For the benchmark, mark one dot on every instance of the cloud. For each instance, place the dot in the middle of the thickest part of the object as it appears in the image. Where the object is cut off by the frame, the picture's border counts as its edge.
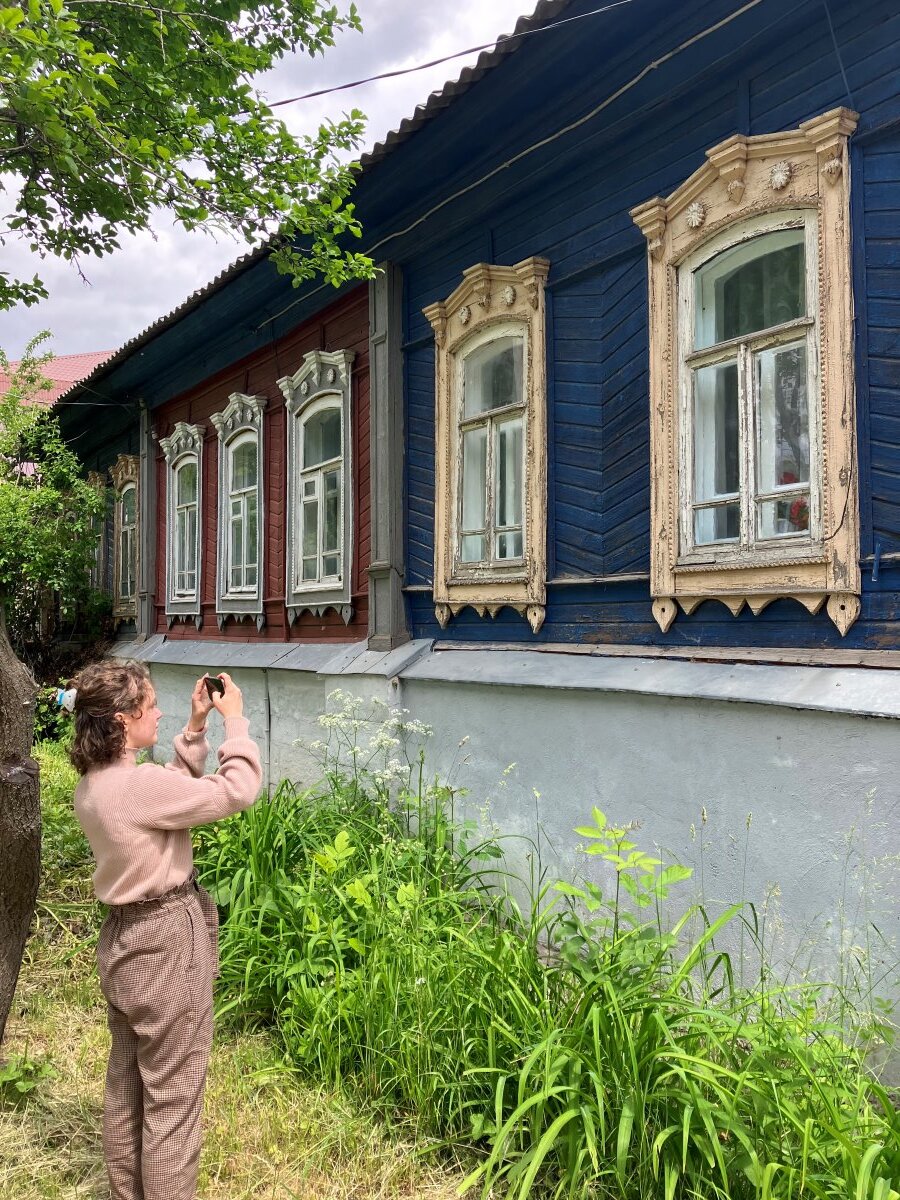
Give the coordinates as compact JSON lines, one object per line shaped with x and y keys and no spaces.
{"x":148,"y":276}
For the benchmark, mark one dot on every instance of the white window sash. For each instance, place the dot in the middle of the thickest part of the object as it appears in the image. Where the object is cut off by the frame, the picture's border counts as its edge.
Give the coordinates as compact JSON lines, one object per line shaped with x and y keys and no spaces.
{"x":744,"y":350}
{"x":491,"y":421}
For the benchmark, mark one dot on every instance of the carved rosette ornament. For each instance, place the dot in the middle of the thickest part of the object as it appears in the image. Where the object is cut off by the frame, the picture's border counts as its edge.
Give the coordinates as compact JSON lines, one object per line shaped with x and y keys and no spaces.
{"x":748,"y":182}
{"x":510,"y":301}
{"x":696,"y":214}
{"x":780,"y":175}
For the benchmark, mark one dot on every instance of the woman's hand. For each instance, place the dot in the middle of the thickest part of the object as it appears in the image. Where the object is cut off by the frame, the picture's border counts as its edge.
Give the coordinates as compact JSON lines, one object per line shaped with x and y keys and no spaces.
{"x":231,"y":702}
{"x":200,"y":706}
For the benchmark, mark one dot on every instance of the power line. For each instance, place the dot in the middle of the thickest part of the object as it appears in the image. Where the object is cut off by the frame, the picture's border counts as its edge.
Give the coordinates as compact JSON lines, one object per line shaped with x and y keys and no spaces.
{"x":436,"y":62}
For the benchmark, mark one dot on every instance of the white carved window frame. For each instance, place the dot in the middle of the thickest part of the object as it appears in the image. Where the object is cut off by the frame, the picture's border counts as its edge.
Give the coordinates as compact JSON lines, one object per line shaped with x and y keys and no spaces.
{"x":184,"y":445}
{"x":323,"y":378}
{"x":749,"y":185}
{"x":125,"y":473}
{"x":240,"y":421}
{"x":491,"y":302}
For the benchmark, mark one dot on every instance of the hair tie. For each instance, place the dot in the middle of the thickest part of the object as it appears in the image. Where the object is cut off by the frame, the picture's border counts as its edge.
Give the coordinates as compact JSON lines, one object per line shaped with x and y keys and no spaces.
{"x":65,"y":698}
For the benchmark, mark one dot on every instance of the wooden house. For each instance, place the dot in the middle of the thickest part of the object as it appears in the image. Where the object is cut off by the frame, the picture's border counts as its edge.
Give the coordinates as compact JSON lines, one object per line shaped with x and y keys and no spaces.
{"x":620,"y":447}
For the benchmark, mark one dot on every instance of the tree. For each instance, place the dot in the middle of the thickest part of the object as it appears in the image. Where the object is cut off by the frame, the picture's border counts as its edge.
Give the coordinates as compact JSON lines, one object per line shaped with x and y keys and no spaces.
{"x":47,"y":539}
{"x":111,"y":109}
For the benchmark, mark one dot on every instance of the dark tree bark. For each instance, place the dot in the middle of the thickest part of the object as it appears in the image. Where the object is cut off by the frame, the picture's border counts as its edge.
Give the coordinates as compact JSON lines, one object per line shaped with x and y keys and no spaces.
{"x":20,"y":818}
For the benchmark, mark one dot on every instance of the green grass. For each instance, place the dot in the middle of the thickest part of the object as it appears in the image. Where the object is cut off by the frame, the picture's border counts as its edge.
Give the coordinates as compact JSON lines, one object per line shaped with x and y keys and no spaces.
{"x":589,"y":1046}
{"x":270,"y":1134}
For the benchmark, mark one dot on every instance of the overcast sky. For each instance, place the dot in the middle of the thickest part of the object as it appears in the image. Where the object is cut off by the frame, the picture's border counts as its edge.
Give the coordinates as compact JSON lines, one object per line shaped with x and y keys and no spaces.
{"x":147,"y":278}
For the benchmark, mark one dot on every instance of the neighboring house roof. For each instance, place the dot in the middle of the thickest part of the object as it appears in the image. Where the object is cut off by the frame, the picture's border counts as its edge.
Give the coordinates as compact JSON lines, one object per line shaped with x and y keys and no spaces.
{"x":506,"y":44}
{"x":63,"y":372}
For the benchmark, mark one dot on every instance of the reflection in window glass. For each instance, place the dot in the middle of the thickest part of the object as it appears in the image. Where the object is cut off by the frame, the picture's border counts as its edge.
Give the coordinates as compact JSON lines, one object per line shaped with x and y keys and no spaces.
{"x":322,"y":437}
{"x":753,"y":286}
{"x":493,"y":376}
{"x":186,"y":529}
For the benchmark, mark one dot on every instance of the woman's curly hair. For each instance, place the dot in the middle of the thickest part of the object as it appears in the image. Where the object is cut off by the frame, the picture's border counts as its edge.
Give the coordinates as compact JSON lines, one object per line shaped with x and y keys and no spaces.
{"x":103,"y":689}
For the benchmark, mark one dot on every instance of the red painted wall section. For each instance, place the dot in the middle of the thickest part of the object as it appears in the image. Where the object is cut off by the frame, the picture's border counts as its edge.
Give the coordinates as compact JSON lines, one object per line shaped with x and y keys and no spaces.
{"x":342,"y":326}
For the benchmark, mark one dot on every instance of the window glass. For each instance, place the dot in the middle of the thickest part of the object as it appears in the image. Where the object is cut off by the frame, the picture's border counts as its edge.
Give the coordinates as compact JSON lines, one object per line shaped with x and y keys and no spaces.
{"x":474,"y":479}
{"x":508,"y":460}
{"x":322,"y":437}
{"x":755,"y":285}
{"x":716,"y":450}
{"x":186,"y":487}
{"x":493,"y":376}
{"x":782,"y":417}
{"x":129,"y":506}
{"x":243,"y":466}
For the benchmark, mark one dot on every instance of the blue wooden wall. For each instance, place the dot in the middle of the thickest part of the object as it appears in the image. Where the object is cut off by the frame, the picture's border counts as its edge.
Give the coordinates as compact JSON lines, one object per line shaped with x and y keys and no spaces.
{"x":570,"y":203}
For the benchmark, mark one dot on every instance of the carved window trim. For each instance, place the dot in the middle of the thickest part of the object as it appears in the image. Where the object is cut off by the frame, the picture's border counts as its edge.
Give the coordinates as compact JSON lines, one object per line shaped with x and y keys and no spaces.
{"x":241,"y":420}
{"x":184,"y":445}
{"x":747,"y":180}
{"x":491,"y":302}
{"x":125,"y":474}
{"x":324,"y":377}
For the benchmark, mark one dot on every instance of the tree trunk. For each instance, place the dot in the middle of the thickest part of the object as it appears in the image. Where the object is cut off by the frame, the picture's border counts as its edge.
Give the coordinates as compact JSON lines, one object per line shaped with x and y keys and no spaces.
{"x":20,"y":818}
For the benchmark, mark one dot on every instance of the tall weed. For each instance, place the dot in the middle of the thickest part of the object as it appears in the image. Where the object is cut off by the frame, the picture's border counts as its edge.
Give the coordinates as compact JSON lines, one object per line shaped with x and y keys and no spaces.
{"x":588,"y":1044}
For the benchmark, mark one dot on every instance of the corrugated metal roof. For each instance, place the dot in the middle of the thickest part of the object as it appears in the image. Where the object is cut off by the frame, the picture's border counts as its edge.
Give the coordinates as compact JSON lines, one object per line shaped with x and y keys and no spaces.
{"x":546,"y":11}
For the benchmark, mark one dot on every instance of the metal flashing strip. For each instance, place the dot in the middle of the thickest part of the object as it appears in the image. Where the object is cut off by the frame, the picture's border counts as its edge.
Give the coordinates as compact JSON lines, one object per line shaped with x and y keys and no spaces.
{"x":319,"y":658}
{"x":856,"y":691}
{"x":859,"y":692}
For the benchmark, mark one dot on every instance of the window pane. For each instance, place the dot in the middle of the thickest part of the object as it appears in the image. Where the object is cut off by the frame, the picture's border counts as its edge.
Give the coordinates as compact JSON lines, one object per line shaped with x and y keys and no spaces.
{"x":309,"y":568}
{"x":780,"y":518}
{"x":330,"y":535}
{"x":474,"y":468}
{"x":237,"y":548}
{"x":186,"y":485}
{"x":243,"y":466}
{"x":493,"y":376}
{"x":123,"y":563}
{"x":753,"y":286}
{"x":722,"y":524}
{"x":509,"y":545}
{"x":472,"y":549}
{"x":309,"y":487}
{"x":191,"y":563}
{"x":716,"y":432}
{"x":322,"y":437}
{"x":129,"y":506}
{"x":250,"y":576}
{"x":181,"y":554}
{"x":782,"y":417}
{"x":310,"y":529}
{"x":252,"y":530}
{"x":509,"y":473}
{"x":330,"y":566}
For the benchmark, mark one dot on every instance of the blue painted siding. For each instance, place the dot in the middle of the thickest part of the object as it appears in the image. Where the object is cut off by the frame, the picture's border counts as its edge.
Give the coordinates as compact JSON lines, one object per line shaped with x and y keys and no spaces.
{"x":570,"y":204}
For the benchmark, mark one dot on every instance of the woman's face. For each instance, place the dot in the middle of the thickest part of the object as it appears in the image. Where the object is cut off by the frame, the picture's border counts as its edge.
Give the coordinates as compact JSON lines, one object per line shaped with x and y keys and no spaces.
{"x":142,"y":726}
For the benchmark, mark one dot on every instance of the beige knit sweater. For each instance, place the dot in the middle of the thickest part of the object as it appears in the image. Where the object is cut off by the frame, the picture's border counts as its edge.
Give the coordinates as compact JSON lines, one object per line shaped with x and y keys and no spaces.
{"x":138,"y":818}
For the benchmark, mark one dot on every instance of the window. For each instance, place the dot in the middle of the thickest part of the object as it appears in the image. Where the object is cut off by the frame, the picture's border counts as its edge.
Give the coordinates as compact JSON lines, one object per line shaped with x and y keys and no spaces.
{"x":125,"y":474}
{"x":240,"y":544}
{"x":319,"y":540}
{"x":102,"y":530}
{"x":749,"y":335}
{"x":490,"y":485}
{"x":753,"y":483}
{"x":242,"y":538}
{"x":491,"y":452}
{"x":183,"y":451}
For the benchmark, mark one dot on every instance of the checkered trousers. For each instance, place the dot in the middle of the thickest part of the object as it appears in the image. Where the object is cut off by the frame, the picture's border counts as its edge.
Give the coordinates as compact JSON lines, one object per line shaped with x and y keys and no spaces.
{"x":157,"y":960}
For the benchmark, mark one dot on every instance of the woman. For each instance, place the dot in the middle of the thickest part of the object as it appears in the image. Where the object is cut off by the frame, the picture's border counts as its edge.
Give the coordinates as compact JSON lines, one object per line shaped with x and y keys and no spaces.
{"x":157,"y":954}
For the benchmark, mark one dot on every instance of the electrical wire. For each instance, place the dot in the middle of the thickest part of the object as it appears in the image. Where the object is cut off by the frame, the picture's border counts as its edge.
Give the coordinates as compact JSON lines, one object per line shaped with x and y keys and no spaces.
{"x":436,"y":62}
{"x":545,"y":141}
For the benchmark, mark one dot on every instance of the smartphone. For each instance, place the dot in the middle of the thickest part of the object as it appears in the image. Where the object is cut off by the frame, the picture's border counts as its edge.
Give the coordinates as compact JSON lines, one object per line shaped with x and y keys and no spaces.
{"x":214,"y":684}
